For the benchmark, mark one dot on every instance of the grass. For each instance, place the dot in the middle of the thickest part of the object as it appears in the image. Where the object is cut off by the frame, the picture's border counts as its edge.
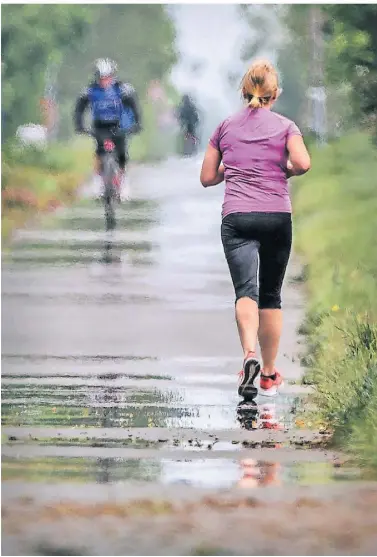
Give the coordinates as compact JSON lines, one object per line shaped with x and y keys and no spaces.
{"x":35,"y":182}
{"x":336,"y":233}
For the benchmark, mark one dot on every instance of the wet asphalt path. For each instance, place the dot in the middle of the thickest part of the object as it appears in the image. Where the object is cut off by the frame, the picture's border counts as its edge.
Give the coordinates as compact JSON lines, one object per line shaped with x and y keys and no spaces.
{"x":119,"y":366}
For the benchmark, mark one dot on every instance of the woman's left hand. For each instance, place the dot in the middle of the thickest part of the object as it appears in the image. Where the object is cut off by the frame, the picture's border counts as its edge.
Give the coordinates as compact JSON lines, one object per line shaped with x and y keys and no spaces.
{"x":212,"y":170}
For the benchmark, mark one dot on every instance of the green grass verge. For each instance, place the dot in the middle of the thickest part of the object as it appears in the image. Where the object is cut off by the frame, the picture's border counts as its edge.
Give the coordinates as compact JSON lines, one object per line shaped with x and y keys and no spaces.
{"x":36,"y":181}
{"x":336,"y":232}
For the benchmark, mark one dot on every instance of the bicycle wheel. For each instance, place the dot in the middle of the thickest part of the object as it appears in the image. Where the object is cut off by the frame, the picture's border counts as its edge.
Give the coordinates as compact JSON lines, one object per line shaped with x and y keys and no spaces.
{"x":189,"y":145}
{"x":109,"y":171}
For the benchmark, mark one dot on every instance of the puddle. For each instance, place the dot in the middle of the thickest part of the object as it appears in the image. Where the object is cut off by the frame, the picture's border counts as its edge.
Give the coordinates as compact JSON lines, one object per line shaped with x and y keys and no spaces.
{"x":186,"y":400}
{"x":95,"y":407}
{"x":95,"y":222}
{"x":108,"y":414}
{"x":69,"y":375}
{"x":205,"y":473}
{"x":82,"y":358}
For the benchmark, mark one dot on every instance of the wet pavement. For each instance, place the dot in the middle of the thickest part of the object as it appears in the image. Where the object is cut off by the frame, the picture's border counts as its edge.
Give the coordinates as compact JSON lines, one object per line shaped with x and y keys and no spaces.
{"x":119,"y":367}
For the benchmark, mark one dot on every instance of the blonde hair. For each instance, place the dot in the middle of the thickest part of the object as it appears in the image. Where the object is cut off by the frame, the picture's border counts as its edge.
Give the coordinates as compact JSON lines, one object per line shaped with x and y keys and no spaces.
{"x":260,"y":84}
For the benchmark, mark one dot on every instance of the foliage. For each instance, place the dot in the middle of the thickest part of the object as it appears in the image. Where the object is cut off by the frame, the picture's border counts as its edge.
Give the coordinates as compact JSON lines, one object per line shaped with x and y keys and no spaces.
{"x":336,"y":231}
{"x":32,"y":37}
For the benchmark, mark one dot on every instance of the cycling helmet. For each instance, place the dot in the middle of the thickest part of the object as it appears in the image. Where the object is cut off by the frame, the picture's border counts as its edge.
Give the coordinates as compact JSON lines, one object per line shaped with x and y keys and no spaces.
{"x":104,"y":67}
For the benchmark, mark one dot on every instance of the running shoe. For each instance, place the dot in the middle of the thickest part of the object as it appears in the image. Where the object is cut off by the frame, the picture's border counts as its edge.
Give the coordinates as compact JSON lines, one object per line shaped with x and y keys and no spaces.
{"x":247,"y":376}
{"x":270,"y":384}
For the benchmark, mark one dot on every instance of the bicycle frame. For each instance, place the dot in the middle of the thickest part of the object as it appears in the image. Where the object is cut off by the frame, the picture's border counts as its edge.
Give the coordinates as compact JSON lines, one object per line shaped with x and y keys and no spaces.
{"x":110,"y":173}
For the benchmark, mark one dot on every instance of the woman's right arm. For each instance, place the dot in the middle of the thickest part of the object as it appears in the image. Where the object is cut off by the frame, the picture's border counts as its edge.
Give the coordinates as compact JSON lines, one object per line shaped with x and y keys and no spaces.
{"x":299,"y":158}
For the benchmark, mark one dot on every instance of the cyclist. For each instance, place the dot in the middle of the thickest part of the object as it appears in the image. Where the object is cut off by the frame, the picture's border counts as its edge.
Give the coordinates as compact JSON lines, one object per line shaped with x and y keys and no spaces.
{"x":188,"y":117}
{"x":115,"y":112}
{"x":257,"y":150}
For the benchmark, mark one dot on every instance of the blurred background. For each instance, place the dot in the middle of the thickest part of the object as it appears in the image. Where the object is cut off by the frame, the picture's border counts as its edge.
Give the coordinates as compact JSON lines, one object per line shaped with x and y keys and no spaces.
{"x":326,"y":56}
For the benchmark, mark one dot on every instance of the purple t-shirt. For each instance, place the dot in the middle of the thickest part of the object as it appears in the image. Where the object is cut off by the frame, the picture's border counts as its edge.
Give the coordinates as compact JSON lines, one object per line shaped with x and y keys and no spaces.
{"x":253,"y":145}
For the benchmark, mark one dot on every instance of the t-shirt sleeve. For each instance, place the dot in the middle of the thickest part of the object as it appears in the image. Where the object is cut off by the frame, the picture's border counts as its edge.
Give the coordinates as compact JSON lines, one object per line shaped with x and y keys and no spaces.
{"x":293,"y":130}
{"x":215,"y":138}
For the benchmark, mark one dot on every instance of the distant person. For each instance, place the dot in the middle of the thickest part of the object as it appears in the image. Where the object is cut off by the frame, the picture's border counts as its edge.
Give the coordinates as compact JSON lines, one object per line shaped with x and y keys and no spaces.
{"x":115,"y":112}
{"x":188,"y":119}
{"x":256,"y":151}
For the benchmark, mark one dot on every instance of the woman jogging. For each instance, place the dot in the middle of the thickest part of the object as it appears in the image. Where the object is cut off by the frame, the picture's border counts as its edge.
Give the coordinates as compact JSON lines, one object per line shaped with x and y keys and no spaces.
{"x":259,"y":150}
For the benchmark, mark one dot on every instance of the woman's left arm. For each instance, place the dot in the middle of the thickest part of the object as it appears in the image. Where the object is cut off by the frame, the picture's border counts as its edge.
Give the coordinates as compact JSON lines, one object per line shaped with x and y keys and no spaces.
{"x":212,"y":170}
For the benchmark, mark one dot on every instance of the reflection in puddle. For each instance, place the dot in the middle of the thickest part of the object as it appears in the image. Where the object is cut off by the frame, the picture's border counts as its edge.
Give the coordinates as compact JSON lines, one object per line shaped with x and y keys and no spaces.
{"x":94,"y":221}
{"x":259,"y":474}
{"x":247,"y":414}
{"x":206,"y":473}
{"x":127,"y":400}
{"x":268,"y":417}
{"x":116,"y":415}
{"x":76,"y":407}
{"x":81,"y":238}
{"x":263,"y":416}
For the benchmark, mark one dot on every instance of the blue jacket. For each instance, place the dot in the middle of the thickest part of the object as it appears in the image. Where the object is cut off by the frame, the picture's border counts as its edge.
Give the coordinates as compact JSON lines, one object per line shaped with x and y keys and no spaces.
{"x":116,"y":105}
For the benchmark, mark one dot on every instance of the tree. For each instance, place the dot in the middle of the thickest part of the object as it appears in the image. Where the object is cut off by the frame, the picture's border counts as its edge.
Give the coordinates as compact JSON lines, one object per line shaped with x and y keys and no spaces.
{"x":32,"y":36}
{"x":293,"y":61}
{"x":353,"y":54}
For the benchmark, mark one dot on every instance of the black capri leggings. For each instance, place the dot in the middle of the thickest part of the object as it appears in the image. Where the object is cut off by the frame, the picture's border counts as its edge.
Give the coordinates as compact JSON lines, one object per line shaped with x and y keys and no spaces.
{"x":257,"y":248}
{"x":119,"y":140}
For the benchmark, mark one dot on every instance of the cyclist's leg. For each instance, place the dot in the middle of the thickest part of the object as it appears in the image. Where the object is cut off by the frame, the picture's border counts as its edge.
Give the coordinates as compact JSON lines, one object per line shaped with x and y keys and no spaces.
{"x":274,"y":255}
{"x":98,"y":182}
{"x":121,"y":146}
{"x":191,"y":136}
{"x":98,"y":152}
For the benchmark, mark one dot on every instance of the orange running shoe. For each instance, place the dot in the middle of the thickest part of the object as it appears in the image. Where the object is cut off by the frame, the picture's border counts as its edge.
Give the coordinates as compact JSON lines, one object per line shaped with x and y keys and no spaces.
{"x":270,"y":384}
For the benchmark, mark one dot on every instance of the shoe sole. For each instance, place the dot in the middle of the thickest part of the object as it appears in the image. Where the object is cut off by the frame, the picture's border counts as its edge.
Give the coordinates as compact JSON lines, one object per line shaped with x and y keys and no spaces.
{"x":273,"y":391}
{"x":248,"y":390}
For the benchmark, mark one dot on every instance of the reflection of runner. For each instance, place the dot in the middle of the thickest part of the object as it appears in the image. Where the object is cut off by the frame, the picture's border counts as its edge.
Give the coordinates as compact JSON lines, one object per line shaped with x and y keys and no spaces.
{"x":251,"y":473}
{"x":269,"y":474}
{"x":268,"y":418}
{"x":258,"y":474}
{"x":247,"y":414}
{"x":251,"y":416}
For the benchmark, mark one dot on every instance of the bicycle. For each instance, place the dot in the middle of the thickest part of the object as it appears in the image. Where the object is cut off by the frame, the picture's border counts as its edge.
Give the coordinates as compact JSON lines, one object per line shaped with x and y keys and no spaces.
{"x":189,"y":144}
{"x":111,"y":177}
